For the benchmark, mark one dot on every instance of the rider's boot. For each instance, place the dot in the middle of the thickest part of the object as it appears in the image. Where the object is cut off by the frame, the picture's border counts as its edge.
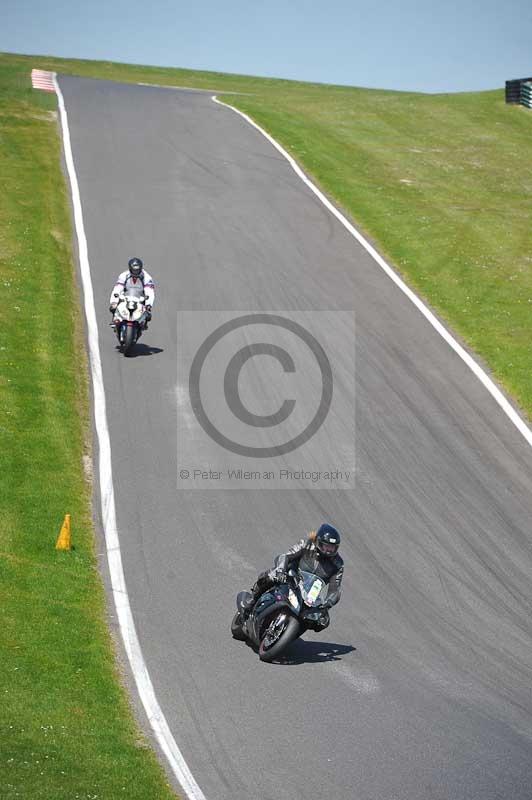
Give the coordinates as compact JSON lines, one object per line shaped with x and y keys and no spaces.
{"x":246,"y":607}
{"x":258,"y":588}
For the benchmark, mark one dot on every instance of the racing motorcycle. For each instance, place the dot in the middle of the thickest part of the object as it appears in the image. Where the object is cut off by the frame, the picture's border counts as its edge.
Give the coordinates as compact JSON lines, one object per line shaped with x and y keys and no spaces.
{"x":131,"y":318}
{"x":282,"y":613}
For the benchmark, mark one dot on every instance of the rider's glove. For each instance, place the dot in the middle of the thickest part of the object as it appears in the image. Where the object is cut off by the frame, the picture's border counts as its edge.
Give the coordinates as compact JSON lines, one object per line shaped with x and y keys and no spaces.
{"x":148,"y":313}
{"x":277,"y":574}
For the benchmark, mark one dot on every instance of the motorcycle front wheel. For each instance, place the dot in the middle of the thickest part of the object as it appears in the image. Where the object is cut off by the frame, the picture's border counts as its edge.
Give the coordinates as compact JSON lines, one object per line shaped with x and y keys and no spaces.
{"x":129,"y":339}
{"x":282,"y":630}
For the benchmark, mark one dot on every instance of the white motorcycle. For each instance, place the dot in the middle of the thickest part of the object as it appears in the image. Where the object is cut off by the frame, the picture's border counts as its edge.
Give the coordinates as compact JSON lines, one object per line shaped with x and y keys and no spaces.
{"x":130,"y":319}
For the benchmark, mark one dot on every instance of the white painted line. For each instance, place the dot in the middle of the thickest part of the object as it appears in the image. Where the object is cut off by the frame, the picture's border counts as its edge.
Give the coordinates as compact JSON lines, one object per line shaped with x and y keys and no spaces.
{"x":183,"y":88}
{"x":495,"y":392}
{"x":175,"y":88}
{"x":123,"y":609}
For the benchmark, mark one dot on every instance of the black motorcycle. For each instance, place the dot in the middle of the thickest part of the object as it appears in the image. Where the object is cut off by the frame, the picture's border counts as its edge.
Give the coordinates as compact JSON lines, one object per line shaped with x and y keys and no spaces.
{"x":282,"y":613}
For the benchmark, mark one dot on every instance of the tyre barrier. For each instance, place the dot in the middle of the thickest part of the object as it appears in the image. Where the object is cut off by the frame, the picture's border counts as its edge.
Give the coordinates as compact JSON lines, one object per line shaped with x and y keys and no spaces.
{"x":518,"y":91}
{"x":526,"y":94}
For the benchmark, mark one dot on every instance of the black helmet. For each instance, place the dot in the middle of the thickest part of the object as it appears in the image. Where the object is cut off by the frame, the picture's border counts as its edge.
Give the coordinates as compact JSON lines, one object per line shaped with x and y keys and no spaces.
{"x":327,"y":540}
{"x":135,"y":266}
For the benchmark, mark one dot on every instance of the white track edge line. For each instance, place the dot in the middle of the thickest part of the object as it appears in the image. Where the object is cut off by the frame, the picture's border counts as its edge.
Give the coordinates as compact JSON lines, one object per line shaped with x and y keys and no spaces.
{"x":477,"y":370}
{"x":145,"y":688}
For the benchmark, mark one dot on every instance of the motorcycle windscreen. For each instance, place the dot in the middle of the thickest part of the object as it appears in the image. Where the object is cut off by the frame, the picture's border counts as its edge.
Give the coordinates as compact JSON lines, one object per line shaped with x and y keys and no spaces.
{"x":313,"y":590}
{"x":135,"y":290}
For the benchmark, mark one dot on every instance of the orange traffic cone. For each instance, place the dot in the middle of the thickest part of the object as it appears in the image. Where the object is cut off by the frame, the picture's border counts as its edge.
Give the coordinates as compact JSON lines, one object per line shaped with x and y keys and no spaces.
{"x":64,"y":541}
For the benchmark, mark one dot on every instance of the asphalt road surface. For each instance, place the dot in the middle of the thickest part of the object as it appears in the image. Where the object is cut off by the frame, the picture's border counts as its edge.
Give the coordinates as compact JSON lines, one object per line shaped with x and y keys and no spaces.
{"x":421,"y":687}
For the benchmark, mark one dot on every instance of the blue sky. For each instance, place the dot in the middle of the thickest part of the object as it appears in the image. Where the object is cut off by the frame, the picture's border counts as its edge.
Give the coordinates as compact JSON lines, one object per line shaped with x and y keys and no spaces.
{"x":398,"y":44}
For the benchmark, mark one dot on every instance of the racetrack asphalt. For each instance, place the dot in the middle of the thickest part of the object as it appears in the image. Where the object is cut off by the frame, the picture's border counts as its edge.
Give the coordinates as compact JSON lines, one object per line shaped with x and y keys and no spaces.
{"x":421,"y":688}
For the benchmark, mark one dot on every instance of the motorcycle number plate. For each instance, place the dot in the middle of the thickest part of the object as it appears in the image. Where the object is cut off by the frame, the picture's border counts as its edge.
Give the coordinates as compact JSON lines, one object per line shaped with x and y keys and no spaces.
{"x":314,"y":591}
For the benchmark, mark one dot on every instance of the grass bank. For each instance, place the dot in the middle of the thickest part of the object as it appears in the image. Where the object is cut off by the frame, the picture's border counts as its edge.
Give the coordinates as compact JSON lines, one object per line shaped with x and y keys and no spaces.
{"x":442,"y":183}
{"x":66,"y":730}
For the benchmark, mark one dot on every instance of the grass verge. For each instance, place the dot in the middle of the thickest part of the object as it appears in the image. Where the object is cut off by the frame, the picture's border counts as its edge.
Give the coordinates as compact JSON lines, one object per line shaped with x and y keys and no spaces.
{"x":442,"y":184}
{"x":66,"y":730}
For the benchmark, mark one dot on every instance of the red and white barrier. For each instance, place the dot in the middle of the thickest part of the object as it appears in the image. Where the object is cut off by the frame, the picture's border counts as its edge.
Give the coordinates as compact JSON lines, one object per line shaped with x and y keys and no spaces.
{"x":40,"y":79}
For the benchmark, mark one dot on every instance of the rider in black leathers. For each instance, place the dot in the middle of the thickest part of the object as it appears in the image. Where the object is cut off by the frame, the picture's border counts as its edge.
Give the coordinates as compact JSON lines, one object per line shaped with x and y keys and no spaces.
{"x":317,"y":554}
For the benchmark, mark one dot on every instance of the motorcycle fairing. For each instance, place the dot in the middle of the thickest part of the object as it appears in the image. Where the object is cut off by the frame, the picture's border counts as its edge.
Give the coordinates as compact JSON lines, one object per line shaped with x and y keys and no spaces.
{"x":272,"y":600}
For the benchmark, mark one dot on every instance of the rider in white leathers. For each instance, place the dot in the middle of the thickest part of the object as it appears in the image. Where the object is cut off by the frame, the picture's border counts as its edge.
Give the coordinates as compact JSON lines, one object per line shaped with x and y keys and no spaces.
{"x":136,"y":281}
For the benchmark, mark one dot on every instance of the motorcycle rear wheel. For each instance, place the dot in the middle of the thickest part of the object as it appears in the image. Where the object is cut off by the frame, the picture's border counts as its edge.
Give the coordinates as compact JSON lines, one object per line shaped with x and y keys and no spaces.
{"x":269,"y":652}
{"x":236,"y":628}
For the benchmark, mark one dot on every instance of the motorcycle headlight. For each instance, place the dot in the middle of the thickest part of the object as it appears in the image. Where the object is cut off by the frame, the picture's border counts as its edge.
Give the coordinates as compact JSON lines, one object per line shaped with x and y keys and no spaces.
{"x":131,"y":305}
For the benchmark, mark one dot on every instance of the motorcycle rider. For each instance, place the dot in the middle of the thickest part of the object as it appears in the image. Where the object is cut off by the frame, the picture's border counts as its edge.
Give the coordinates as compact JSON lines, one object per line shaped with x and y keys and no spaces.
{"x":135,"y":281}
{"x":317,"y":554}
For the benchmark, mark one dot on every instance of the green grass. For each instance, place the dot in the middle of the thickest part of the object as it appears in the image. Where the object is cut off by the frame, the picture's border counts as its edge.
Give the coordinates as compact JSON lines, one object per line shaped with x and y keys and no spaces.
{"x":443,"y":184}
{"x":66,"y":730}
